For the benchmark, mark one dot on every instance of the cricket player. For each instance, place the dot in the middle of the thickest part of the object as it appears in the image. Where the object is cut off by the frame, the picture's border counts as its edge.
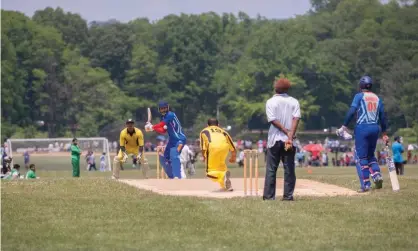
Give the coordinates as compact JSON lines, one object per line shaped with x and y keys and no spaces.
{"x":131,"y":141}
{"x":75,"y":158}
{"x":176,"y":140}
{"x":216,"y":144}
{"x":370,"y":113}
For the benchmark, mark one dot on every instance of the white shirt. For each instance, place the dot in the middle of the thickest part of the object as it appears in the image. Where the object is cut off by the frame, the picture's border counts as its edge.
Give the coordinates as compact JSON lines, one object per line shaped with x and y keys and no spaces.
{"x":283,"y":108}
{"x":185,"y":154}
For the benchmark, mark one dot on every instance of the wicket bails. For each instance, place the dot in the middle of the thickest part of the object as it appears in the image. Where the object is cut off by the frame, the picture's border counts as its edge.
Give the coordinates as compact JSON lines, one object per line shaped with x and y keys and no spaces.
{"x":160,"y":170}
{"x":251,"y":156}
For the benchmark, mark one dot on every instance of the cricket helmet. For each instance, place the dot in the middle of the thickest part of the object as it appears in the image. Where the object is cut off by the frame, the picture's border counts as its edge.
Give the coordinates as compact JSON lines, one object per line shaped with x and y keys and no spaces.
{"x":163,"y":107}
{"x":365,"y":83}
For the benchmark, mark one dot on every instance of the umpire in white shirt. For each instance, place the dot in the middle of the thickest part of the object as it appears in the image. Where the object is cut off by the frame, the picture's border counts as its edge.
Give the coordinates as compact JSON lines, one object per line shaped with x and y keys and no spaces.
{"x":283,"y":114}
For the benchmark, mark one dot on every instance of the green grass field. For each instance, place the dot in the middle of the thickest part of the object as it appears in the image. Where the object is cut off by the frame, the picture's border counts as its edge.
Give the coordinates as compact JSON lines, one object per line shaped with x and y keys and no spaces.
{"x":58,"y":212}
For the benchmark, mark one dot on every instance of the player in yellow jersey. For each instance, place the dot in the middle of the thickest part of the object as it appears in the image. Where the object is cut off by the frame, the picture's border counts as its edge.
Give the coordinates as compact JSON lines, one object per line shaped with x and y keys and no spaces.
{"x":131,"y":142}
{"x":216,"y":144}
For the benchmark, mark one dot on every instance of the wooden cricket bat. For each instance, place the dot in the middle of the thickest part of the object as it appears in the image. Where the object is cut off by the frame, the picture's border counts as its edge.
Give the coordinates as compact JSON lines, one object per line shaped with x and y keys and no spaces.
{"x":392,"y":170}
{"x":149,"y":115}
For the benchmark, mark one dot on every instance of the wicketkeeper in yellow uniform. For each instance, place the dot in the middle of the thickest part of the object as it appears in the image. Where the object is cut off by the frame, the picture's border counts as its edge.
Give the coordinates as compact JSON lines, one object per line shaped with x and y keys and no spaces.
{"x":131,"y":142}
{"x":216,"y":144}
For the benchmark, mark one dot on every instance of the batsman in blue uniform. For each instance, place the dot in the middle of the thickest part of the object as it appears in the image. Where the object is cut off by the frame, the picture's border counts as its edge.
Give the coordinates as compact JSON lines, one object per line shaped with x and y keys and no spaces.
{"x":176,"y":140}
{"x":369,"y":110}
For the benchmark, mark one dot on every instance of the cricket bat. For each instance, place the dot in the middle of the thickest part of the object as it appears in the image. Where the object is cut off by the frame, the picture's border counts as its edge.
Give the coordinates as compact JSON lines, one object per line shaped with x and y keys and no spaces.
{"x":392,"y":170}
{"x":149,"y":115}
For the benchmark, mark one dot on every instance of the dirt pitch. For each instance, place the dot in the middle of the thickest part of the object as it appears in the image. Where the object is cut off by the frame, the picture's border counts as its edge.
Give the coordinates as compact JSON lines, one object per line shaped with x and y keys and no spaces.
{"x":207,"y":188}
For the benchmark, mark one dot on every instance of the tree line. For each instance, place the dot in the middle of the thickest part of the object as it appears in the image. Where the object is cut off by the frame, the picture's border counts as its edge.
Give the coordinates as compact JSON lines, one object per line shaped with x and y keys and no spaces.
{"x":75,"y":75}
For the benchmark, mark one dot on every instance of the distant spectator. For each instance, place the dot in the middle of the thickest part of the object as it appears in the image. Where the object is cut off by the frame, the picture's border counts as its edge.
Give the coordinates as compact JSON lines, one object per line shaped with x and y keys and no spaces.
{"x":260,"y":146}
{"x":240,"y":158}
{"x":92,"y":161}
{"x":299,"y":156}
{"x":347,"y":160}
{"x":415,"y":159}
{"x":31,"y":173}
{"x":26,"y":158}
{"x":5,"y":170}
{"x":75,"y":158}
{"x":248,"y":144}
{"x":324,"y":159}
{"x":409,"y":153}
{"x":14,"y":173}
{"x":397,"y":149}
{"x":103,"y":162}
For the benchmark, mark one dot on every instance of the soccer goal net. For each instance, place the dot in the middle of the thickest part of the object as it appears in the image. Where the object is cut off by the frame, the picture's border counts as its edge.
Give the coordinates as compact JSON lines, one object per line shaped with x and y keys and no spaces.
{"x":54,"y":154}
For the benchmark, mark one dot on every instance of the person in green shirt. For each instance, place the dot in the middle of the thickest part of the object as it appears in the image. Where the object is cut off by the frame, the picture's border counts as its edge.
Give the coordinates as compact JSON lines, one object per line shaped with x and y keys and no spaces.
{"x":14,"y":173}
{"x":31,"y":173}
{"x":75,"y":158}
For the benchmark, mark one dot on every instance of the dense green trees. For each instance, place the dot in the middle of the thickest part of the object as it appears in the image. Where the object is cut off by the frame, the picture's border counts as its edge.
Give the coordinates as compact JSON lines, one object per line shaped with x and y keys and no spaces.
{"x":59,"y":69}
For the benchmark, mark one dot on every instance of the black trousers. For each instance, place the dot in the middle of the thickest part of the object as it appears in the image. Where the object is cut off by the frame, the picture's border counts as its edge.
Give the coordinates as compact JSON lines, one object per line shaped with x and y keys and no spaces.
{"x":399,"y":168}
{"x":274,"y":155}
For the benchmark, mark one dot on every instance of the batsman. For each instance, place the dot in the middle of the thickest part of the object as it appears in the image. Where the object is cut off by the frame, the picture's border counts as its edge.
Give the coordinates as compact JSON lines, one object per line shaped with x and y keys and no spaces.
{"x":370,"y":113}
{"x":176,"y":139}
{"x":215,"y":144}
{"x":131,"y":141}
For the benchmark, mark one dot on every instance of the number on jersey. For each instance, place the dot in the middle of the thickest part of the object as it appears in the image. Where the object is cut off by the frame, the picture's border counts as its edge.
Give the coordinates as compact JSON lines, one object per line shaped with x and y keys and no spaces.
{"x":372,"y":106}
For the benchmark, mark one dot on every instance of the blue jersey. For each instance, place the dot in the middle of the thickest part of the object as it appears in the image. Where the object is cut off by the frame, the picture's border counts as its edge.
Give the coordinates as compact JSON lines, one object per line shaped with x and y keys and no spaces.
{"x":102,"y":158}
{"x":369,"y":110}
{"x":397,"y":150}
{"x":26,"y":157}
{"x":174,"y":130}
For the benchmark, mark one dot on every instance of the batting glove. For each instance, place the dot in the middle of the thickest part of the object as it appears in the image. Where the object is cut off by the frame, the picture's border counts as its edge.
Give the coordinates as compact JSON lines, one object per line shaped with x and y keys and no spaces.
{"x":148,"y":127}
{"x":342,"y":132}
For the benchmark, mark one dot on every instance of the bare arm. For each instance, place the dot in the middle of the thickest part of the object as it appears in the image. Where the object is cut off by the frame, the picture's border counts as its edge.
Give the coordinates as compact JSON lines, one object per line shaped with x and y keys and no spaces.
{"x":279,"y":126}
{"x":295,"y":123}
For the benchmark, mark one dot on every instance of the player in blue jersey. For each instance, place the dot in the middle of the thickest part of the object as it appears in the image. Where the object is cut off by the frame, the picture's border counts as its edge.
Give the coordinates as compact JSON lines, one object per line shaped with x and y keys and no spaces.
{"x":369,"y":110}
{"x":176,"y":140}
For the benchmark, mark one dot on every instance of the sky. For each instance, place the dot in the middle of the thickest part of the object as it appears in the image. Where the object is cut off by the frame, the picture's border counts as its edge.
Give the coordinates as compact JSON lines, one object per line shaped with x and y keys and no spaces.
{"x":126,"y":10}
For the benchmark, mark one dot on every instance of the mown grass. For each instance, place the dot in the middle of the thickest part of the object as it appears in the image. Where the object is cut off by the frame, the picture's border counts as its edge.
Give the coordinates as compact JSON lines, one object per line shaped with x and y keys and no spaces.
{"x":58,"y":212}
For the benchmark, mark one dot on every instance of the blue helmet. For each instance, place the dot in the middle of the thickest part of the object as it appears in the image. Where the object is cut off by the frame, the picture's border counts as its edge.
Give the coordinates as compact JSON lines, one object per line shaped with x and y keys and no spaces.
{"x":365,"y":83}
{"x":161,"y":107}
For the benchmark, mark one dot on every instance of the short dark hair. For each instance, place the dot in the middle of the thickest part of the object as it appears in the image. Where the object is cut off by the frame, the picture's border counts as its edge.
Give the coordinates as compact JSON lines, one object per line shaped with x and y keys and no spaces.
{"x":31,"y":165}
{"x":213,"y":122}
{"x":74,"y":140}
{"x":16,"y":166}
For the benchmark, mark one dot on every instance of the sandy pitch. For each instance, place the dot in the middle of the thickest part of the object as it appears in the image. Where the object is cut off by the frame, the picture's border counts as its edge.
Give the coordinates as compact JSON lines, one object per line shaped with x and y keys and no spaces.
{"x":207,"y":188}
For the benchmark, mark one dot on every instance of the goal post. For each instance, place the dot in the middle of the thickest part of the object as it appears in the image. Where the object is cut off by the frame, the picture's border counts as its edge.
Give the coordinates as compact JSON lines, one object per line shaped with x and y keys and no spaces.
{"x":60,"y":148}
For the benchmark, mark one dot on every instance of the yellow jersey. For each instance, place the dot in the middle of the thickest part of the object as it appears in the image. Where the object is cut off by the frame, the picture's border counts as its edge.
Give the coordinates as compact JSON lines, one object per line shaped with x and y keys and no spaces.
{"x":131,"y":141}
{"x":215,"y":137}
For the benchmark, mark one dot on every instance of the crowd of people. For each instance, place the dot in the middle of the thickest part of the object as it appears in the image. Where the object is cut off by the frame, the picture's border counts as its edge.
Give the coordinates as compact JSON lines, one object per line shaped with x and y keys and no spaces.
{"x":303,"y":158}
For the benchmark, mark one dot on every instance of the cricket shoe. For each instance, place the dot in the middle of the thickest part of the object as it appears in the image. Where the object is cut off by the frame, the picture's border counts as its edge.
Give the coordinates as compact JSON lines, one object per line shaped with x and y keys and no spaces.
{"x":365,"y":189}
{"x":378,"y":180}
{"x":227,"y":182}
{"x":114,"y":178}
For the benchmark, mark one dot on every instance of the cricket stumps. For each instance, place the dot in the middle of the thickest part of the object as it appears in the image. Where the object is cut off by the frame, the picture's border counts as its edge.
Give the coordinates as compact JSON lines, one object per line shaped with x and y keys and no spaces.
{"x":251,"y":162}
{"x":160,"y":170}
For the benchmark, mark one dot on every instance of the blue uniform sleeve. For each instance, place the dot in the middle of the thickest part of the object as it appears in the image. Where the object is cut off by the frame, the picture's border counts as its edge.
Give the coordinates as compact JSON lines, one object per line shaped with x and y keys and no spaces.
{"x":354,"y":107}
{"x":382,"y":117}
{"x":168,"y":118}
